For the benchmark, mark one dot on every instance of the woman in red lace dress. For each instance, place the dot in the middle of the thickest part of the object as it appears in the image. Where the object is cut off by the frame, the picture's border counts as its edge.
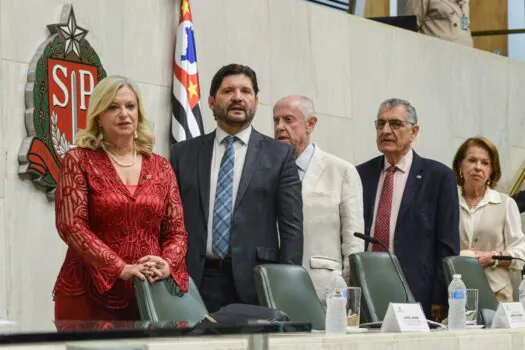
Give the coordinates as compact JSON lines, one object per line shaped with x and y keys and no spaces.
{"x":118,"y":209}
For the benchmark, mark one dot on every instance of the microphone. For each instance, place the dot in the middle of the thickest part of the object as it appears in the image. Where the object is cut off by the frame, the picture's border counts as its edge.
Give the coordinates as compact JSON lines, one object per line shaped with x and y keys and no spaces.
{"x":506,"y":258}
{"x":375,"y":241}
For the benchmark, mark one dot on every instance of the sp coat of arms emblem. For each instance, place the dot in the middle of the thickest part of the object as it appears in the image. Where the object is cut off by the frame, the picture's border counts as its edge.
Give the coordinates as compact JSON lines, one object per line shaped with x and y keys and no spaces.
{"x":60,"y":80}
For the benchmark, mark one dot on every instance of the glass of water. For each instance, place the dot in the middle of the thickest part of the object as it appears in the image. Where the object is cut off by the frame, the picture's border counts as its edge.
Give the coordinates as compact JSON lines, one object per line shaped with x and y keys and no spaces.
{"x":471,"y":307}
{"x":353,"y":306}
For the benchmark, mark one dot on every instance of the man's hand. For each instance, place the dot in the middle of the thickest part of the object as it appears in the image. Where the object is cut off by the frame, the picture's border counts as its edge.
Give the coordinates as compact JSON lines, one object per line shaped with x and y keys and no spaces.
{"x":438,"y":312}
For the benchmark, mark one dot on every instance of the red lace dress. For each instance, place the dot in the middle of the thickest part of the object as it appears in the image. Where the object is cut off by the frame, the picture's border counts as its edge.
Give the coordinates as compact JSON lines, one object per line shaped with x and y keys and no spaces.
{"x":107,"y":227}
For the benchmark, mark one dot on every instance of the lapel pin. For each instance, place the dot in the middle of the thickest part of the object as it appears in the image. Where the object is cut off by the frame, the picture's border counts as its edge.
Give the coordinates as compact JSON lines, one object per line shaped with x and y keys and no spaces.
{"x":418,"y":176}
{"x":147,"y":177}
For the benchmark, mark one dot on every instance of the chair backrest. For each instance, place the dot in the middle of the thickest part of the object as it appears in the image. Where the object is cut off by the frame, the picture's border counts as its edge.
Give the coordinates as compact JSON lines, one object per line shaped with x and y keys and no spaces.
{"x":379,"y":282}
{"x":158,"y":302}
{"x":290,"y":289}
{"x":473,"y":276}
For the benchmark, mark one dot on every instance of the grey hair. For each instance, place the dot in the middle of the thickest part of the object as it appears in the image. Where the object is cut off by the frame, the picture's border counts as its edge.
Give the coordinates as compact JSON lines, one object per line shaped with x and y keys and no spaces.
{"x":393,"y":103}
{"x":307,"y":107}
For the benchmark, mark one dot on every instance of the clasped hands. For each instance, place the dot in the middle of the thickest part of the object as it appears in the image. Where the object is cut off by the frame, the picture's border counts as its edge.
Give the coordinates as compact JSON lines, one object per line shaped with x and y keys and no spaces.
{"x":150,"y":267}
{"x":484,"y":258}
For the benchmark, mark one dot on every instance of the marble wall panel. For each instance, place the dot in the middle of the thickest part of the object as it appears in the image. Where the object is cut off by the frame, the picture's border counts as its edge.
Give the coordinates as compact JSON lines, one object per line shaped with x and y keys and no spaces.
{"x":291,"y":52}
{"x":330,"y":42}
{"x":24,"y":26}
{"x":333,"y":135}
{"x":157,"y":102}
{"x":105,"y":22}
{"x":147,"y":40}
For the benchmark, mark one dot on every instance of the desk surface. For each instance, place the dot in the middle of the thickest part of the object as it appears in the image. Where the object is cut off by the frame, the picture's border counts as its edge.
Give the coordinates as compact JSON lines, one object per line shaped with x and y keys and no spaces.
{"x":494,"y":339}
{"x":75,"y":331}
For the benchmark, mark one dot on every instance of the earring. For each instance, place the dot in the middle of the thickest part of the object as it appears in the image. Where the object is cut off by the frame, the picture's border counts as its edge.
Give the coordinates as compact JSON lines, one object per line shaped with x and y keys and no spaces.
{"x":461,"y":175}
{"x":135,"y":134}
{"x":101,"y":132}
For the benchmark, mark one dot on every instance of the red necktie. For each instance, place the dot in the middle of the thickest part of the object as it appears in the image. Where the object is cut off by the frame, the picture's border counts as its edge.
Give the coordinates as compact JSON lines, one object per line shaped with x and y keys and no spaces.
{"x":384,"y":208}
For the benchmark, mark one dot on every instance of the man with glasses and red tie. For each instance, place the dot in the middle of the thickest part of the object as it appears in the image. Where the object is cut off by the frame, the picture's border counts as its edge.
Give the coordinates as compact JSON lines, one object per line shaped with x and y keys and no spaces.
{"x":410,"y":205}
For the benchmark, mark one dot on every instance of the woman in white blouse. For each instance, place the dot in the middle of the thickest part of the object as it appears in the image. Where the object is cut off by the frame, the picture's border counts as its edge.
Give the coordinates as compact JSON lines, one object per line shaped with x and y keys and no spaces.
{"x":490,"y":222}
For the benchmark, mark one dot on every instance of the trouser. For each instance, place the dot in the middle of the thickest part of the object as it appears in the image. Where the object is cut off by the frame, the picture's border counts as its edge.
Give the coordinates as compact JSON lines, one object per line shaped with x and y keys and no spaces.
{"x":217,"y":287}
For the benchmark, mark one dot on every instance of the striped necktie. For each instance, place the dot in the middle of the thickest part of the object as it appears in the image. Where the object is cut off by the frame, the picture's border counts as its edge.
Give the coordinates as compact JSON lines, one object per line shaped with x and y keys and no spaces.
{"x":222,"y":210}
{"x":384,"y":210}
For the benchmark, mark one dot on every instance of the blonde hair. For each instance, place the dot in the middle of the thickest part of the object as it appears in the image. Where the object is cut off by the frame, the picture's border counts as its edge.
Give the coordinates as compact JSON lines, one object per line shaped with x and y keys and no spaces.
{"x":103,"y":95}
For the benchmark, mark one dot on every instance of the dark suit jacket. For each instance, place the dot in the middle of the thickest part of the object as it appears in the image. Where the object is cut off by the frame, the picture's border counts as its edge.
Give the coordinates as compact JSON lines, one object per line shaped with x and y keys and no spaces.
{"x":427,"y":228}
{"x":520,"y":200}
{"x":269,"y":194}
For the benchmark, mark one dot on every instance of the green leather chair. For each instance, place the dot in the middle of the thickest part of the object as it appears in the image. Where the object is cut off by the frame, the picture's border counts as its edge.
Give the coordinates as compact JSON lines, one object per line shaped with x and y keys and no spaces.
{"x":289,"y":288}
{"x":474,"y":277}
{"x":379,"y":282}
{"x":158,"y":302}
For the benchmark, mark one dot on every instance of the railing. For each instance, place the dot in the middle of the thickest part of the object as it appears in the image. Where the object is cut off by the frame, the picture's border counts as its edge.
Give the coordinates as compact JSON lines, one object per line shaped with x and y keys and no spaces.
{"x":498,"y":32}
{"x":516,"y":187}
{"x":336,"y":4}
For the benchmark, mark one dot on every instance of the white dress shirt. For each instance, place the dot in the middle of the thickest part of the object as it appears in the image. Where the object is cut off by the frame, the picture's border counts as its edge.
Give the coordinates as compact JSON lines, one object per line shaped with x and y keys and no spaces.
{"x":239,"y":147}
{"x":304,"y":159}
{"x":400,"y":181}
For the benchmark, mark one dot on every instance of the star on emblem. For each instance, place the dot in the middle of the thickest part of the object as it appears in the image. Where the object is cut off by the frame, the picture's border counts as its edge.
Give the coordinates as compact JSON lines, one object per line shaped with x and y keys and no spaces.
{"x":68,"y":29}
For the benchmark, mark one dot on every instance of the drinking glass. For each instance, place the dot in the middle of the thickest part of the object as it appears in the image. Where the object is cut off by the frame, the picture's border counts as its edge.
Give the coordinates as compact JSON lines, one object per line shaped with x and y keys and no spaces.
{"x":471,"y":307}
{"x":353,"y":306}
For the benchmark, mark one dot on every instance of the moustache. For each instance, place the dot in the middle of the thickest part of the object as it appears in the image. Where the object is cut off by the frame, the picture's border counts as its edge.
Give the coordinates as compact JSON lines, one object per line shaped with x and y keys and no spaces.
{"x":237,"y":107}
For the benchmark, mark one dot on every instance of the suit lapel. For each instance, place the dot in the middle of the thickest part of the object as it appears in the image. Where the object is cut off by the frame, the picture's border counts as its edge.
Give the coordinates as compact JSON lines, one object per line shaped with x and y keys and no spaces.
{"x":250,"y":164}
{"x":205,"y":154}
{"x":315,"y":170}
{"x":371,"y":200}
{"x":414,"y":180}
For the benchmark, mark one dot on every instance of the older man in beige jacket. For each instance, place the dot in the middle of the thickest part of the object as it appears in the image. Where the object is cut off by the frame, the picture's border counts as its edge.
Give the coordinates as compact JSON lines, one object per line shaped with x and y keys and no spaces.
{"x":445,"y":19}
{"x":332,"y":195}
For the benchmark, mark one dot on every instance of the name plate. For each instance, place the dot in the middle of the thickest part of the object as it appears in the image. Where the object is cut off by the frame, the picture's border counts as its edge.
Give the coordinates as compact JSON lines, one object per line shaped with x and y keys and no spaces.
{"x":509,"y":315}
{"x":405,"y":318}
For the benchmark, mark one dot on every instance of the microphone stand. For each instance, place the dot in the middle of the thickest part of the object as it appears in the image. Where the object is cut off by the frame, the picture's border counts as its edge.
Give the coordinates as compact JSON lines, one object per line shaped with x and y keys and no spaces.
{"x":506,"y":258}
{"x":509,"y":258}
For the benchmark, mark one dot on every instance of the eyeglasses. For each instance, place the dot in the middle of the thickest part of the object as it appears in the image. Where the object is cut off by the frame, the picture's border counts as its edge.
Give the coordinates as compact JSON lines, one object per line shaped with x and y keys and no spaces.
{"x":394,"y":123}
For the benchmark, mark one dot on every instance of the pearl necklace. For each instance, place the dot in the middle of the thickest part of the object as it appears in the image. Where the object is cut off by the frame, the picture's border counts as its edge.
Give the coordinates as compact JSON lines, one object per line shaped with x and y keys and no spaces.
{"x":115,"y":159}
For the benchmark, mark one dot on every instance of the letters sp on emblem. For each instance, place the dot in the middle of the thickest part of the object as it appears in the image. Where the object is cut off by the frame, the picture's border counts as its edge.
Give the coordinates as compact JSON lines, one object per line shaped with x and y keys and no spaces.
{"x":60,"y":79}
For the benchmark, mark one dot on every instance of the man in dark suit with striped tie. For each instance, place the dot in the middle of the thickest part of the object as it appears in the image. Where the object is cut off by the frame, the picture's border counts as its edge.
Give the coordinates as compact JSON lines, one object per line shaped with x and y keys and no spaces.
{"x":236,"y":186}
{"x":411,"y":205}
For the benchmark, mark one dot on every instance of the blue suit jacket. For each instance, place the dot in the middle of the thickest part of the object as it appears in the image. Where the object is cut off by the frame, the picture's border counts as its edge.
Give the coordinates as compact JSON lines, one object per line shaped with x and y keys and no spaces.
{"x":427,"y":228}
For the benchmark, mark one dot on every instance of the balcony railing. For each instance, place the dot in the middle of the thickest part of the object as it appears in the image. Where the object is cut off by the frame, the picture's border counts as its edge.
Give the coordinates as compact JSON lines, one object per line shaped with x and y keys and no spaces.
{"x":336,"y":4}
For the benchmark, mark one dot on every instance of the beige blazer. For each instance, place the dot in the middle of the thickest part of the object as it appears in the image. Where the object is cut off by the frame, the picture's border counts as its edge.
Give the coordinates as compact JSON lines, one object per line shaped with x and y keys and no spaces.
{"x":496,"y":228}
{"x":441,"y":18}
{"x":333,"y":211}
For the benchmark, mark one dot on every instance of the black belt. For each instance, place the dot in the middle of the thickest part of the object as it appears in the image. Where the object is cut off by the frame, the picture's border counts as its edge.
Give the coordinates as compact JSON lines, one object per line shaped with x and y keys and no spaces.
{"x":218,"y":264}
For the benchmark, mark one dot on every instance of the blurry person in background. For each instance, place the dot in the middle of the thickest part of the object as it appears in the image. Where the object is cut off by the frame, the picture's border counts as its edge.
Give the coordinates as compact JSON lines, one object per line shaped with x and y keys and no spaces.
{"x":445,"y":19}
